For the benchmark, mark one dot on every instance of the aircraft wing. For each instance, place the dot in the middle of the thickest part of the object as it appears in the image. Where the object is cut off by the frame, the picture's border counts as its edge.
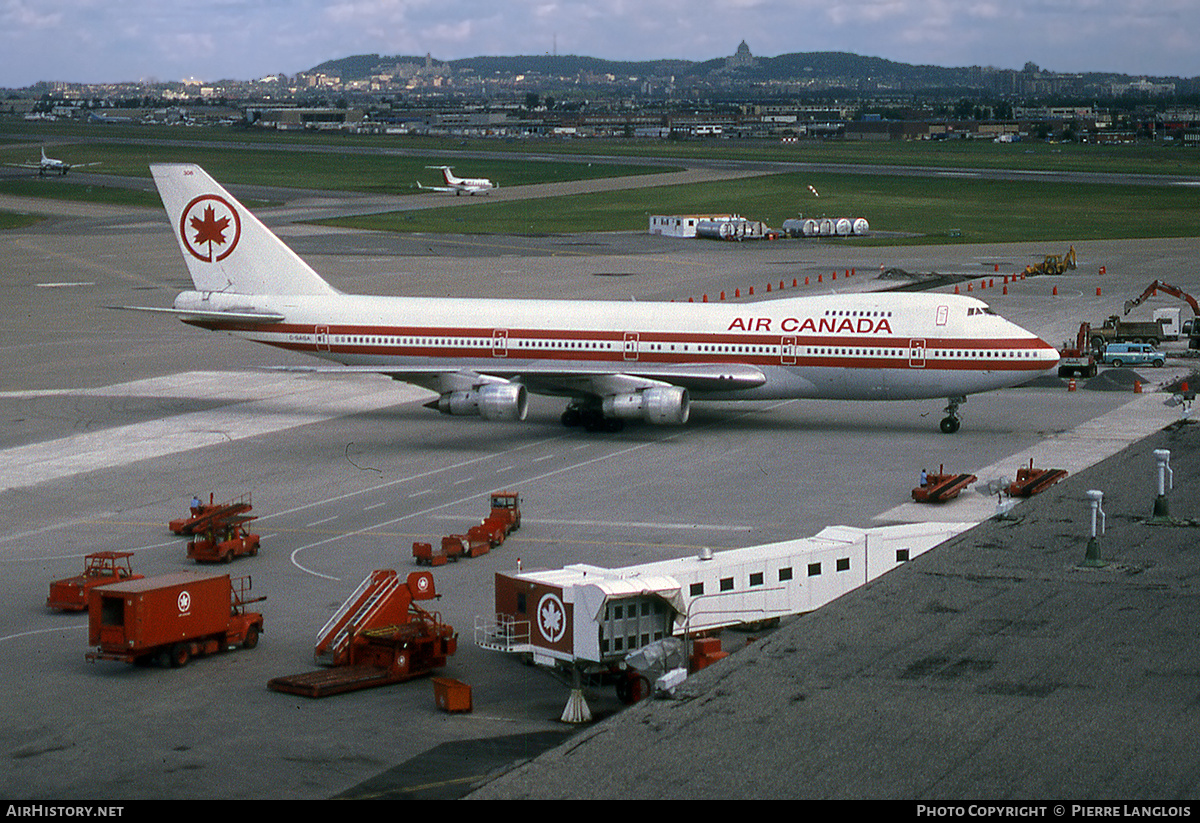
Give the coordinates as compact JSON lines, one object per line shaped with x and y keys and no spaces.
{"x":24,"y":165}
{"x":568,"y":379}
{"x":435,"y":188}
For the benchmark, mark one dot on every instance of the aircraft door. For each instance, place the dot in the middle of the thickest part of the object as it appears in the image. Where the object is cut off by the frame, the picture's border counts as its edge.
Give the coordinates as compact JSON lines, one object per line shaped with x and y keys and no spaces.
{"x":916,"y":353}
{"x":500,"y":343}
{"x":321,"y":337}
{"x":787,"y":351}
{"x":631,"y":345}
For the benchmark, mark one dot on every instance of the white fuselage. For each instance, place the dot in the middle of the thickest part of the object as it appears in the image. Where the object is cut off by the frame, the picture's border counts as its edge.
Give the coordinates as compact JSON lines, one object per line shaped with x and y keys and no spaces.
{"x":869,"y":346}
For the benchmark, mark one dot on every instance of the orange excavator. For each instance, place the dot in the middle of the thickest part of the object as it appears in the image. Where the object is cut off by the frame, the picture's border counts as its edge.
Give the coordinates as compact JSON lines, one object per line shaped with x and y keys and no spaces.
{"x":1174,"y":291}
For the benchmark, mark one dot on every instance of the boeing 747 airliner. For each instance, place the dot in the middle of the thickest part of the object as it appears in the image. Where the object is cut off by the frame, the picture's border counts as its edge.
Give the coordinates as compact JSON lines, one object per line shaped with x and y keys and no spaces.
{"x":613,"y":361}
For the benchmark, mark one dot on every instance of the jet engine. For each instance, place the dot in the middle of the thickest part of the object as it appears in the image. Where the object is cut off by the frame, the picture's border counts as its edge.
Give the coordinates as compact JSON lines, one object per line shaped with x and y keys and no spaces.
{"x":492,"y":401}
{"x":666,"y":406}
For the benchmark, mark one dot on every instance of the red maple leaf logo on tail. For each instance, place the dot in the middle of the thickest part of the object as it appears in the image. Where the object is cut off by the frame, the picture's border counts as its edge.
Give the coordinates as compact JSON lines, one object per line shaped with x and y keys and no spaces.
{"x":206,"y":235}
{"x":210,"y":230}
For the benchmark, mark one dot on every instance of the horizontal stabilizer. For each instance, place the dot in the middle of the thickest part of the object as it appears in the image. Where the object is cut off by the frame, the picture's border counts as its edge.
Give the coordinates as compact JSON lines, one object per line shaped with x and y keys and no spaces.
{"x":188,"y":315}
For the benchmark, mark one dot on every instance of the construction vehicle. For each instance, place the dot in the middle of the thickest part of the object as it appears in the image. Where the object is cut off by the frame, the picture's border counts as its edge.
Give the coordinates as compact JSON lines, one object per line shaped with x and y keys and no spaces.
{"x":99,"y":569}
{"x":1078,"y":359}
{"x":378,"y":637}
{"x":1116,"y":330}
{"x":1053,"y":264}
{"x":940,"y":487}
{"x":1174,"y":291}
{"x":171,"y":618}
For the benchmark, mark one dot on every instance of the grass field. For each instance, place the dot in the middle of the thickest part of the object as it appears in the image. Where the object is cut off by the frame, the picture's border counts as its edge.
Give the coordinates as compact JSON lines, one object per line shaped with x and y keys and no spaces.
{"x":909,"y":210}
{"x":924,"y":209}
{"x":331,"y":170}
{"x":1028,"y":155}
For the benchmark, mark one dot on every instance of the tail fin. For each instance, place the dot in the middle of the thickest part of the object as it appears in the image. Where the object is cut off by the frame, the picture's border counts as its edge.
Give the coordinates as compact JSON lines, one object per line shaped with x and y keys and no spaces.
{"x":227,"y":249}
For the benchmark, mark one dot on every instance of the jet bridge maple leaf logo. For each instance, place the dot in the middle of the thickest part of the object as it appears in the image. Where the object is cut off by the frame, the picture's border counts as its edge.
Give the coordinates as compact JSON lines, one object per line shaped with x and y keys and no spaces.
{"x":210,"y":228}
{"x":551,"y":618}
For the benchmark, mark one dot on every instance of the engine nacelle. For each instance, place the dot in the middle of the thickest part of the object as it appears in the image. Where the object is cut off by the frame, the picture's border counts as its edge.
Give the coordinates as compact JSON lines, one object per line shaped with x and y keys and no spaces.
{"x":667,"y":406}
{"x":492,"y":401}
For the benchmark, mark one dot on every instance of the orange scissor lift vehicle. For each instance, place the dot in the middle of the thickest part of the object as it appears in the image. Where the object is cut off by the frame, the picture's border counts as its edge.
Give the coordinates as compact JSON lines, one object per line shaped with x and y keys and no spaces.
{"x":219,"y":530}
{"x":99,"y":569}
{"x":378,"y":637}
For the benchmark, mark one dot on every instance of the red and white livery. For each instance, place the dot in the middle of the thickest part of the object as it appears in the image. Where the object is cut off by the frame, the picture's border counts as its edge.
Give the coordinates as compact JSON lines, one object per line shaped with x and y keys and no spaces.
{"x":614,"y":361}
{"x":459,"y":185}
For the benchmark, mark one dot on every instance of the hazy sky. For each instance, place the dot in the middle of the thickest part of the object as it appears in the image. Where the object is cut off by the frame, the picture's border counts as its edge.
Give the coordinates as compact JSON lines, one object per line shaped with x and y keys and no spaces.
{"x":120,"y":40}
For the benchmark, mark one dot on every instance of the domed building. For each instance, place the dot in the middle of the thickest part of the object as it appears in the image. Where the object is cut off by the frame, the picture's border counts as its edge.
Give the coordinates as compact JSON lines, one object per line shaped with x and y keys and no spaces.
{"x":743,"y":59}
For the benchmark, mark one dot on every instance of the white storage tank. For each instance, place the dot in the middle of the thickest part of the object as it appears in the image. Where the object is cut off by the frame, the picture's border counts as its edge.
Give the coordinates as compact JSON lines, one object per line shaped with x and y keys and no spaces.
{"x":860,"y":226}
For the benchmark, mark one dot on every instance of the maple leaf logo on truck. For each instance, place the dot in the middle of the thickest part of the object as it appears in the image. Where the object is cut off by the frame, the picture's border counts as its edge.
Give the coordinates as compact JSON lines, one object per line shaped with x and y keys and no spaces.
{"x":204,"y":225}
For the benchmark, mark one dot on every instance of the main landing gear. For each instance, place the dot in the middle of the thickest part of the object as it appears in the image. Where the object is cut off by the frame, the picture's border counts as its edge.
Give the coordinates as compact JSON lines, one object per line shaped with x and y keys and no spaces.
{"x":950,"y":422}
{"x":591,"y":418}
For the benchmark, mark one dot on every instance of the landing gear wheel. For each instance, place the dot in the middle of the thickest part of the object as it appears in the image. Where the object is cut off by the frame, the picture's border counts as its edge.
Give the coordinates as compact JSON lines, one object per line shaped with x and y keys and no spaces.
{"x":572,"y":417}
{"x":950,"y":422}
{"x":614,"y":424}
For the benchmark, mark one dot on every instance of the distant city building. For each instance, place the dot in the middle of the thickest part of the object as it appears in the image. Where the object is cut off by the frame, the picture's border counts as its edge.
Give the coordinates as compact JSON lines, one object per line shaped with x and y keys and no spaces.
{"x":743,"y":59}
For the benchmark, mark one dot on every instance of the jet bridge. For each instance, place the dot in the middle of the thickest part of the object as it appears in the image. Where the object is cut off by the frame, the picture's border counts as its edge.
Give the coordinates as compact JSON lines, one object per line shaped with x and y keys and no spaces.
{"x":592,"y":617}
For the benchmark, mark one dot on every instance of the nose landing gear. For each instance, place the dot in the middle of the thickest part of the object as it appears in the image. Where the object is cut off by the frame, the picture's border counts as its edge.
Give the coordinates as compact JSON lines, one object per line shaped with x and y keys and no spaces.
{"x":950,"y":422}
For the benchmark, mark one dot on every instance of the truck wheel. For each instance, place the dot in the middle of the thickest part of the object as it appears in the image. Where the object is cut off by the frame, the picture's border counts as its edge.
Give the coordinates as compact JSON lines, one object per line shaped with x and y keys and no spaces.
{"x":251,"y":638}
{"x":180,"y":655}
{"x":1117,"y":362}
{"x":1158,"y":364}
{"x":632,"y":688}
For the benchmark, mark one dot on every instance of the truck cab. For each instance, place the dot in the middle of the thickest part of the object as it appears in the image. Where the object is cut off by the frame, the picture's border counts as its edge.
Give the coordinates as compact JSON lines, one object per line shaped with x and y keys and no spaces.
{"x":1133,"y":354}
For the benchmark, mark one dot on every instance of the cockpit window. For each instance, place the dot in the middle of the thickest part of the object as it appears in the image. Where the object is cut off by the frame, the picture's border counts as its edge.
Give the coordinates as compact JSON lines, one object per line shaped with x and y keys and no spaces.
{"x":974,"y":310}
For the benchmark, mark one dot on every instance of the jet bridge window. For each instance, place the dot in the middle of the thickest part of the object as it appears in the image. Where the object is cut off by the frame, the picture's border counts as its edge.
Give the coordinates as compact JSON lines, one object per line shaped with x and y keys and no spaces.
{"x":630,"y":623}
